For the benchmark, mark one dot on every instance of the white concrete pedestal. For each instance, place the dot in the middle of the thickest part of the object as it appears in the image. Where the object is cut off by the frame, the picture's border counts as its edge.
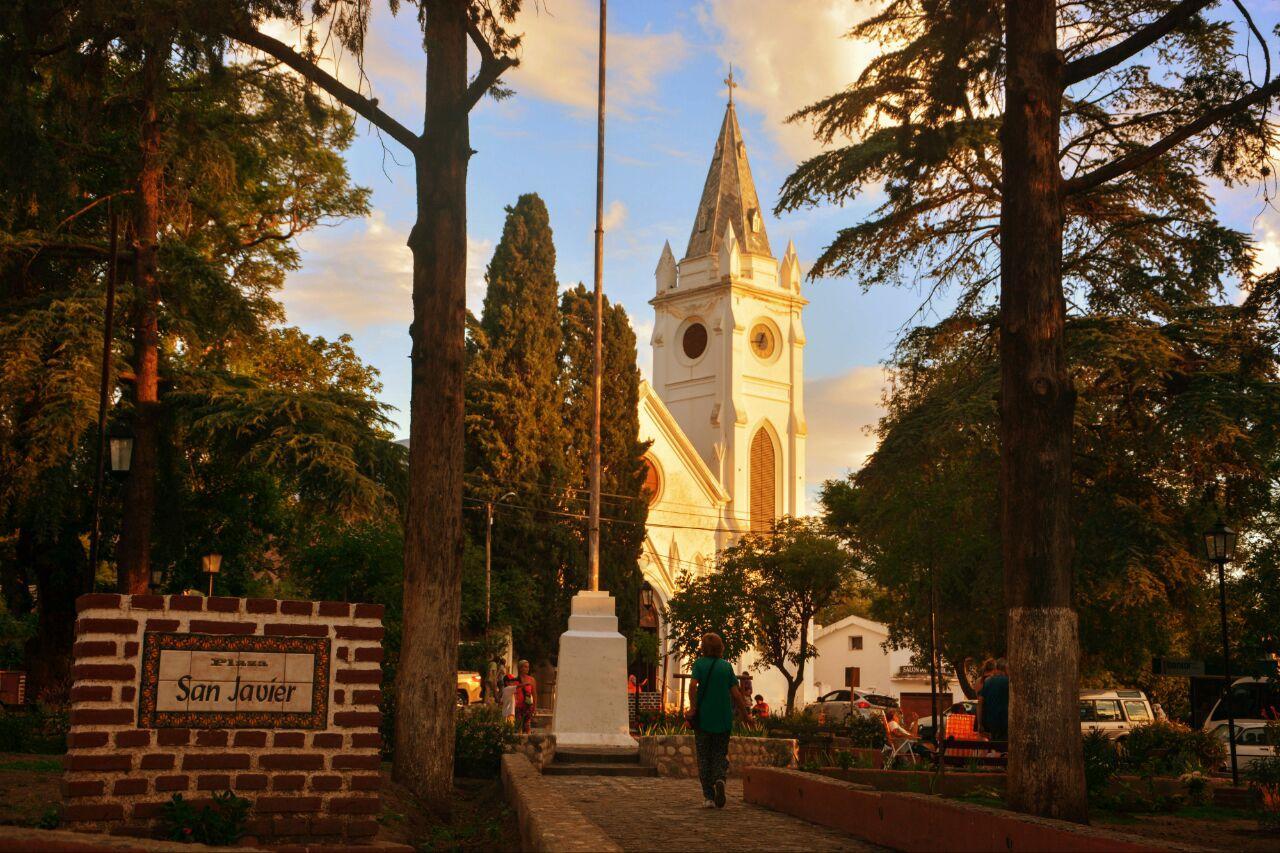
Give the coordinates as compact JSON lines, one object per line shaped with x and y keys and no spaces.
{"x":591,"y":677}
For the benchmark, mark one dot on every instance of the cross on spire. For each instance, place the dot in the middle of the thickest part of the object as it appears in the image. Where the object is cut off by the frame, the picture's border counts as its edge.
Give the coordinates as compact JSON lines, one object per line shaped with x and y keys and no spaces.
{"x":728,"y":81}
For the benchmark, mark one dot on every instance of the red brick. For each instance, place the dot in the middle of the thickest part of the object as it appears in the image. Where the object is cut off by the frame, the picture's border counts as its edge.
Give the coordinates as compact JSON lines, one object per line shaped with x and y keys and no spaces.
{"x":211,"y":737}
{"x":277,"y":805}
{"x":208,"y":626}
{"x":131,"y":649}
{"x":291,"y":761}
{"x":369,"y":611}
{"x":355,"y":719}
{"x":186,"y":602}
{"x":86,"y":788}
{"x":260,"y":605}
{"x":289,"y":629}
{"x":359,"y":676}
{"x":93,"y":648}
{"x":101,"y":716}
{"x":361,"y":828}
{"x":91,"y":693}
{"x":162,"y":625}
{"x":367,"y":741}
{"x":251,"y":782}
{"x":358,"y":632}
{"x":129,"y":787}
{"x":354,"y":805}
{"x":104,"y":672}
{"x":172,"y":783}
{"x":146,"y":602}
{"x":326,"y":826}
{"x":334,"y":608}
{"x":216,"y":761}
{"x":261,"y":827}
{"x":366,"y":783}
{"x":295,"y":608}
{"x":342,"y":653}
{"x":87,"y":740}
{"x":357,"y":762}
{"x":292,"y":826}
{"x":368,"y":654}
{"x":325,"y":740}
{"x":213,"y":782}
{"x":145,"y":811}
{"x":222,"y":604}
{"x":93,"y":811}
{"x":290,"y":740}
{"x":173,"y":737}
{"x":326,"y":783}
{"x":157,"y":761}
{"x":339,"y":697}
{"x":97,"y":599}
{"x":127,"y":693}
{"x":256,"y":739}
{"x":106,"y":626}
{"x":366,"y":697}
{"x":291,"y":782}
{"x":136,"y":737}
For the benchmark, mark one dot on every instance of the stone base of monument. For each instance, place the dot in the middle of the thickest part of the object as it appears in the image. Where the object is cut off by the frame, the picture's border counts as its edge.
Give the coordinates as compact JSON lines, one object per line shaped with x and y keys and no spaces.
{"x":591,"y":677}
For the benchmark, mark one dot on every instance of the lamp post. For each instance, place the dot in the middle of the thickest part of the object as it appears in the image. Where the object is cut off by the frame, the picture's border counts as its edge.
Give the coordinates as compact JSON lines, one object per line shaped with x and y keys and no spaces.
{"x":108,"y":322}
{"x":211,"y":564}
{"x":1220,"y":542}
{"x":488,"y":554}
{"x":157,"y":579}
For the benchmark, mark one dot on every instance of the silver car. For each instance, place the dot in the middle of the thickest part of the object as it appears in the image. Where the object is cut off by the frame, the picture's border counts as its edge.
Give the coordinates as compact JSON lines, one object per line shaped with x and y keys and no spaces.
{"x":839,"y":705}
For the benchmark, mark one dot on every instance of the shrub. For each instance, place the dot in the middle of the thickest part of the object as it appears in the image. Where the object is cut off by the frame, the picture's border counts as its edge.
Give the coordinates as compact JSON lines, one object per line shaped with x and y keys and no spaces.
{"x":1264,"y":775}
{"x":800,"y":726}
{"x":1101,"y":761}
{"x":221,"y":822}
{"x":1196,"y":785}
{"x":41,"y":729}
{"x":481,"y":735}
{"x":1165,"y":748}
{"x":866,"y":732}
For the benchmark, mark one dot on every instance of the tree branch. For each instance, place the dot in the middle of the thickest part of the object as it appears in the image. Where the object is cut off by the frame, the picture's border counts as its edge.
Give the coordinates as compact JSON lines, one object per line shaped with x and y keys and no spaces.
{"x":492,"y":67}
{"x":366,"y":107}
{"x":1095,"y":63}
{"x":1141,"y":157}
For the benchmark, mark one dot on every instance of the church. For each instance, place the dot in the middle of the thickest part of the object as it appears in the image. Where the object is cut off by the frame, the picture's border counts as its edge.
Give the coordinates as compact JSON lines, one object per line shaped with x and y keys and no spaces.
{"x":725,"y":408}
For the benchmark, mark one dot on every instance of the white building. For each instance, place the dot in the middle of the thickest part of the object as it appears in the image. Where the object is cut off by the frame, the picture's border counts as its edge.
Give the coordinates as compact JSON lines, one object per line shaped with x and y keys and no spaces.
{"x":725,"y":410}
{"x":852,"y":653}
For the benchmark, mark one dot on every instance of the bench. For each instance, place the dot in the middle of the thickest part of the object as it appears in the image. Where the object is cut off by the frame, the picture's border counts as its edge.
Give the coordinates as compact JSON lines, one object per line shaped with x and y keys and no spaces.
{"x":984,"y":753}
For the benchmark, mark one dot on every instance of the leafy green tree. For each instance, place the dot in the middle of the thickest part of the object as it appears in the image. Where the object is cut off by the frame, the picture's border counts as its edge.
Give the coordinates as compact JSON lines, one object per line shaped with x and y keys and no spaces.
{"x":712,"y":603}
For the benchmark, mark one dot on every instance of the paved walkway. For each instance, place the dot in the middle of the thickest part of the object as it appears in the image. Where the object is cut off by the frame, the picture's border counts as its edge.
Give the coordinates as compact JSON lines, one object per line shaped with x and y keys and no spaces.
{"x":664,"y":815}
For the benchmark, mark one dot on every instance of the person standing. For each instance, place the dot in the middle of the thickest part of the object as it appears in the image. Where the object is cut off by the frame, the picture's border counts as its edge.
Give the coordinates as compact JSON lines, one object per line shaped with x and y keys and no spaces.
{"x":509,"y":683}
{"x":713,"y":696}
{"x":493,"y":680}
{"x":993,"y":704}
{"x":526,"y":698}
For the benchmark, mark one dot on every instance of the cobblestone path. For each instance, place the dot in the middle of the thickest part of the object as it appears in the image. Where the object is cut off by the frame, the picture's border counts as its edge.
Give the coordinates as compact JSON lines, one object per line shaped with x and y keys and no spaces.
{"x":660,"y":814}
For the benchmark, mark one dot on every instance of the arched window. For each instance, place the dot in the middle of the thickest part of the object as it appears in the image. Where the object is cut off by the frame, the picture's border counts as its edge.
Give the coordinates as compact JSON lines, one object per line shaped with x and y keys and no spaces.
{"x":763,"y":483}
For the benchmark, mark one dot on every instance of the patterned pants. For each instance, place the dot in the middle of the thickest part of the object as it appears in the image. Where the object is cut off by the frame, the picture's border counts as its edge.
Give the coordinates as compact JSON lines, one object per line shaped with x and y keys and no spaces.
{"x":713,"y":759}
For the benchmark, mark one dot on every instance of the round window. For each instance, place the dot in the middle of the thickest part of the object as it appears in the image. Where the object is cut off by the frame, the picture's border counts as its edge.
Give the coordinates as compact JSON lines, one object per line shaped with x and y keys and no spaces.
{"x":762,"y":341}
{"x":694,"y":341}
{"x":652,"y":481}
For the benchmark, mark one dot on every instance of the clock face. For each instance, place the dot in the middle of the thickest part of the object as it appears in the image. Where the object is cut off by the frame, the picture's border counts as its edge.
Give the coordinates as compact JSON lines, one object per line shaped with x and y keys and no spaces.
{"x":762,"y":341}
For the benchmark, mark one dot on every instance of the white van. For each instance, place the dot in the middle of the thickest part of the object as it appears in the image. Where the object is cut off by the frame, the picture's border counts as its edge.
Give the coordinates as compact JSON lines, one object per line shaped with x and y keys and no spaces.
{"x":1255,"y":701}
{"x":1114,"y":712}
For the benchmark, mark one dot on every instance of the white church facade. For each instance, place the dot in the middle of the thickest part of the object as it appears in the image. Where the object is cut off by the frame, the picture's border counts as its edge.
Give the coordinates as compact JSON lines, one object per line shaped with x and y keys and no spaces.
{"x":725,"y":408}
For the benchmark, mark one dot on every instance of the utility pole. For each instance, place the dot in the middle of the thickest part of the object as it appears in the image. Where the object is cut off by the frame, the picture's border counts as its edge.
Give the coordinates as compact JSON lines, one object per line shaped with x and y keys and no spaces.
{"x":593,"y":523}
{"x":108,"y":322}
{"x":488,"y":554}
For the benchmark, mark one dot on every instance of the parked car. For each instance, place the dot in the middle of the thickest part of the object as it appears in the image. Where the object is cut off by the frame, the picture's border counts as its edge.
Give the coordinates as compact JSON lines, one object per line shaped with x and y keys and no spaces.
{"x":1255,"y":701}
{"x":924,"y":726}
{"x":1114,"y":712}
{"x":468,"y":687}
{"x":839,"y":705}
{"x":1251,"y":743}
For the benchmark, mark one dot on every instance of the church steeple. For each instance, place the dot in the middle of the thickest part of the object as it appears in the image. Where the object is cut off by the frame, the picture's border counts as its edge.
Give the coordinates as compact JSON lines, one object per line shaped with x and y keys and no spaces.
{"x":729,"y":196}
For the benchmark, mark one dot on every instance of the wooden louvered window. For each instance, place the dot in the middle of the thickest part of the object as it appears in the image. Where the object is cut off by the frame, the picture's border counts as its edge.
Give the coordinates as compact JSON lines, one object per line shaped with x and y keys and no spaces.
{"x":763,"y":483}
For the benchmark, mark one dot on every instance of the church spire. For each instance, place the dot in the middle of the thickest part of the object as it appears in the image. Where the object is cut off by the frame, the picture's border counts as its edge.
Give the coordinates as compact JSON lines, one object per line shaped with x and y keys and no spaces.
{"x":729,"y":195}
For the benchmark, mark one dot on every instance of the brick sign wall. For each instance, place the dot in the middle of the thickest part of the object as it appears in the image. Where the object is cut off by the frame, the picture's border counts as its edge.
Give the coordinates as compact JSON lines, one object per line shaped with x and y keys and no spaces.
{"x":275,"y":700}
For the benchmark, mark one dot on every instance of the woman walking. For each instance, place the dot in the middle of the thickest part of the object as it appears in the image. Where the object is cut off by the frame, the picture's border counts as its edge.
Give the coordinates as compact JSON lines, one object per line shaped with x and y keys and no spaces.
{"x":713,"y":696}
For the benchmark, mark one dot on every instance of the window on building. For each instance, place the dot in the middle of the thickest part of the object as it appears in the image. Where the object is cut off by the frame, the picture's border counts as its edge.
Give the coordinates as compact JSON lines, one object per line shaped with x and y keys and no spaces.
{"x":763,"y":483}
{"x":855,"y":644}
{"x":852,"y":676}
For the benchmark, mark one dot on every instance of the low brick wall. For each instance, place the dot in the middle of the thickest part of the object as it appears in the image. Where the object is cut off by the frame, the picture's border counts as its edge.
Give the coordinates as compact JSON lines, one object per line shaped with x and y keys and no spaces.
{"x":548,"y":822}
{"x":673,"y":755}
{"x":538,"y":747}
{"x":910,"y":822}
{"x":304,"y":784}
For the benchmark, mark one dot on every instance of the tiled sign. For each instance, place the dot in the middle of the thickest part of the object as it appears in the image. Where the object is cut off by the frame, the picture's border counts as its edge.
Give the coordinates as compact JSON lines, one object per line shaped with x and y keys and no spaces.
{"x":205,"y":681}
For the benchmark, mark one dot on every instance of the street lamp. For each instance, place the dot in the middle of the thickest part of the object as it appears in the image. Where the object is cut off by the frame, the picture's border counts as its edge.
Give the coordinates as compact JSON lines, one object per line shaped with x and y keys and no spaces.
{"x":1220,"y":542}
{"x":212,"y":564}
{"x":157,"y":579}
{"x":488,"y":554}
{"x":120,"y":448}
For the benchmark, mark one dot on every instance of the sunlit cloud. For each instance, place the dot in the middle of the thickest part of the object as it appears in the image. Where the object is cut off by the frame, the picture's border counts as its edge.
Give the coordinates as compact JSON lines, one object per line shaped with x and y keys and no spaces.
{"x":840,"y":410}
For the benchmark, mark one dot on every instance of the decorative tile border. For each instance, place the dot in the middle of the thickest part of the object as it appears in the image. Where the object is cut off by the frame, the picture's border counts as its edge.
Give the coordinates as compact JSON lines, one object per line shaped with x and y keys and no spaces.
{"x":155,"y":642}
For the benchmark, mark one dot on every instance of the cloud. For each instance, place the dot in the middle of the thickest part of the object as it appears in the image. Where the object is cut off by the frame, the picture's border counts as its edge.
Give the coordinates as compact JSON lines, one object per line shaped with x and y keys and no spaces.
{"x":614,"y":215}
{"x":839,"y":409}
{"x":644,"y":351}
{"x":558,"y":58}
{"x":361,"y":275}
{"x":785,"y":59}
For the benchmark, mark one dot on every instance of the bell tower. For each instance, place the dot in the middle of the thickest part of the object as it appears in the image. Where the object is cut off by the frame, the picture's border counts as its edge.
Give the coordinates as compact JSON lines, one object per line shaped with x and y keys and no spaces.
{"x":728,"y":345}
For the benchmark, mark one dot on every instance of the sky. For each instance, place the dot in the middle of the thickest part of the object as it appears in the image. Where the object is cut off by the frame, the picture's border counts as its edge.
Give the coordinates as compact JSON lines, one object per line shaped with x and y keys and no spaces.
{"x":666,"y":98}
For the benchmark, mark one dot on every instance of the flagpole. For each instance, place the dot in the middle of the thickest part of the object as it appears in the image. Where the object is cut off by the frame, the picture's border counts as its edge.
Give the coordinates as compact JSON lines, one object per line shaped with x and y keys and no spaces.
{"x":593,"y":535}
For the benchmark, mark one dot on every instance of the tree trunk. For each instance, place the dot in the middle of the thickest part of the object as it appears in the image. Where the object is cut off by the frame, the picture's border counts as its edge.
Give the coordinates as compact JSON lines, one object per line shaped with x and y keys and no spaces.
{"x":962,"y":678}
{"x":57,"y":567}
{"x":1046,"y":763}
{"x":133,"y":553}
{"x":426,"y":682}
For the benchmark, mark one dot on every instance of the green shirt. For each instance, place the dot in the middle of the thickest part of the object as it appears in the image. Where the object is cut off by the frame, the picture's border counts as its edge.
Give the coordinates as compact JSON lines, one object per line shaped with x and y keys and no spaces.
{"x":715,"y":705}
